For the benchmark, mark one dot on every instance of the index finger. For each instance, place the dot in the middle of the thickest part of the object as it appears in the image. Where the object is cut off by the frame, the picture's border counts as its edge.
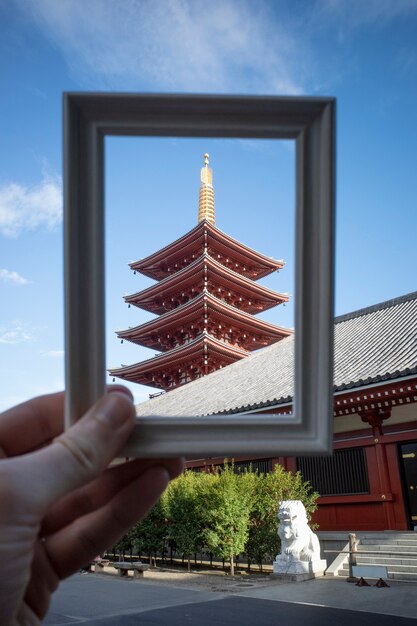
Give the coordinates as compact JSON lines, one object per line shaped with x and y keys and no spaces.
{"x":35,"y":423}
{"x":31,"y":424}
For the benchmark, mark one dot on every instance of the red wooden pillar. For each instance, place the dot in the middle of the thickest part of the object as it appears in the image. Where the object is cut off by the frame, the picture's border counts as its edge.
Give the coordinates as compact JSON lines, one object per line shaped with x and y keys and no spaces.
{"x":375,"y":418}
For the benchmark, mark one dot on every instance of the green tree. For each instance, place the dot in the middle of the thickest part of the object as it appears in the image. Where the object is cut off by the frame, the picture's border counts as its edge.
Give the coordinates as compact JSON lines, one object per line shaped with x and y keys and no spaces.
{"x":226,"y":514}
{"x":184,"y":514}
{"x":263,"y":541}
{"x":150,"y":534}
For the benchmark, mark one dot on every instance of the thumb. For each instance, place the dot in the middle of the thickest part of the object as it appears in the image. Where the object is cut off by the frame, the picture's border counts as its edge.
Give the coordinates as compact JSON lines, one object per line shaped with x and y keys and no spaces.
{"x":82,"y":452}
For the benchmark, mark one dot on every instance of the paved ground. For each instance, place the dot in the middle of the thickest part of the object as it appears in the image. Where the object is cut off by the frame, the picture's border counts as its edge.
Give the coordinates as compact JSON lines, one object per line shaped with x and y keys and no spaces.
{"x":104,"y":600}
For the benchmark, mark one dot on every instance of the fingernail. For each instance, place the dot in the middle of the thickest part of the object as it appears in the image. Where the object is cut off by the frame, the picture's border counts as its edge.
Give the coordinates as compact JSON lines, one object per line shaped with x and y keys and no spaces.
{"x":115,"y":409}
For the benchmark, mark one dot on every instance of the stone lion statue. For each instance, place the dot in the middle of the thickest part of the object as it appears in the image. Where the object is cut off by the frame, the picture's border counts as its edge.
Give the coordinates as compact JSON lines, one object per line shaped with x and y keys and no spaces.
{"x":298,"y":542}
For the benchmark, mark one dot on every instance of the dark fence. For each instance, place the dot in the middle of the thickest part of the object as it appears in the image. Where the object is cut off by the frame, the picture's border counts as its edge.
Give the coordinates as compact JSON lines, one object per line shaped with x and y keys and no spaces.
{"x":343,"y":473}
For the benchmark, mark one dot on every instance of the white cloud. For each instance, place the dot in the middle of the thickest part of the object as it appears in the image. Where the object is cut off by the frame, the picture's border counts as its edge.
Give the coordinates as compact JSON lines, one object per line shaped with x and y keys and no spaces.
{"x":54,"y":353}
{"x":240,"y":46}
{"x":193,"y":45}
{"x":8,"y":276}
{"x":16,"y":333}
{"x":28,"y":208}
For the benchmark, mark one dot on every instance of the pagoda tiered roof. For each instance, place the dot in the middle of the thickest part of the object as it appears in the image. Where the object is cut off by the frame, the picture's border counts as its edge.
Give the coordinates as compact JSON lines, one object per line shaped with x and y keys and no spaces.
{"x":222,"y":247}
{"x":201,"y":356}
{"x":206,"y":272}
{"x":205,"y":312}
{"x":205,"y":299}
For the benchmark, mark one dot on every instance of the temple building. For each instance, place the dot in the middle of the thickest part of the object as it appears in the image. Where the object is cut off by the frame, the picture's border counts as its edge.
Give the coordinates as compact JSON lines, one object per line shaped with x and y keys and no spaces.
{"x":205,"y":299}
{"x":370,"y":481}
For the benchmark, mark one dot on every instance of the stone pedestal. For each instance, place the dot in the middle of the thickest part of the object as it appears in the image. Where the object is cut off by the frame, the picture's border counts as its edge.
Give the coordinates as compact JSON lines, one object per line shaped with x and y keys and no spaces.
{"x":294,"y":570}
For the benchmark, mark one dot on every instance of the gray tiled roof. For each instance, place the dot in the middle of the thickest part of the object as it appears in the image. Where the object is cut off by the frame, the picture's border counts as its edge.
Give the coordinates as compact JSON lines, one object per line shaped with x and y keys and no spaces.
{"x":371,"y":345}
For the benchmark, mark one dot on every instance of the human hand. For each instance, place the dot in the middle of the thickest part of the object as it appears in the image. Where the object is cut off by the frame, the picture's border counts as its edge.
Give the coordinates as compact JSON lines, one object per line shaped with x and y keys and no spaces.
{"x":60,"y":504}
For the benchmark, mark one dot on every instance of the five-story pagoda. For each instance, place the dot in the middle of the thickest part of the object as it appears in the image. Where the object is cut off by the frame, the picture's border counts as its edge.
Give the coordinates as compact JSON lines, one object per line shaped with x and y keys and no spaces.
{"x":206,"y":297}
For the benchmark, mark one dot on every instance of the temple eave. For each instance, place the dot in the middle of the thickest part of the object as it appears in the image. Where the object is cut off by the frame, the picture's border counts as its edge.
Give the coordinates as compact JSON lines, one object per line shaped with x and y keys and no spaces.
{"x":182,"y":364}
{"x":169,"y":259}
{"x":189,"y":318}
{"x":248,"y":342}
{"x":256,"y":306}
{"x":205,"y":272}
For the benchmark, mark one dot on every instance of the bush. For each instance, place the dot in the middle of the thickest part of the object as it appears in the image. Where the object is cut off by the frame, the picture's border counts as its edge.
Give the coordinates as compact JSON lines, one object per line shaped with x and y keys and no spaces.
{"x":263,"y":541}
{"x":228,"y":503}
{"x":221,"y":512}
{"x":185,"y":523}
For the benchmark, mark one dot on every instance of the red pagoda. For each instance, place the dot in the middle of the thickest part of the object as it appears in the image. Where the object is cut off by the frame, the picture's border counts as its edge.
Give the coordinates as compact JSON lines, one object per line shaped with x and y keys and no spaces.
{"x":205,"y":298}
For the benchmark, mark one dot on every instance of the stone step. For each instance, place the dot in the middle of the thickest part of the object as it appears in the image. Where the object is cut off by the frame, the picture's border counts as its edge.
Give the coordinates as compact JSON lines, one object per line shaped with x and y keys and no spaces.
{"x":396,"y":551}
{"x":389,"y":560}
{"x":390,"y":540}
{"x":387,"y":547}
{"x":386,"y":533}
{"x":409,"y":569}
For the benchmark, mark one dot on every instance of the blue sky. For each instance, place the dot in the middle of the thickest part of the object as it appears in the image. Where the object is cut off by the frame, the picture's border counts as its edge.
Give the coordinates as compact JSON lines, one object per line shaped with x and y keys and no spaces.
{"x":362,"y":52}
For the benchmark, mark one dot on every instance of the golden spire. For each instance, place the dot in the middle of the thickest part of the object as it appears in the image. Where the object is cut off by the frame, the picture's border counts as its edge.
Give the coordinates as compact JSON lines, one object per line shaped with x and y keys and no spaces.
{"x":206,"y":196}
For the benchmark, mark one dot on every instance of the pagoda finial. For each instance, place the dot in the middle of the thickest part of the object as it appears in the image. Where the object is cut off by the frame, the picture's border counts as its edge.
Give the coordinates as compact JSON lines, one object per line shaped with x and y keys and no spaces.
{"x":206,"y":196}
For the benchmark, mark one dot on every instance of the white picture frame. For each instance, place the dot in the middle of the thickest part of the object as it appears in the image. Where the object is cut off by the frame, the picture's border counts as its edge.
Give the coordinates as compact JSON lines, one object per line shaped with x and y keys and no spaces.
{"x":88,"y":118}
